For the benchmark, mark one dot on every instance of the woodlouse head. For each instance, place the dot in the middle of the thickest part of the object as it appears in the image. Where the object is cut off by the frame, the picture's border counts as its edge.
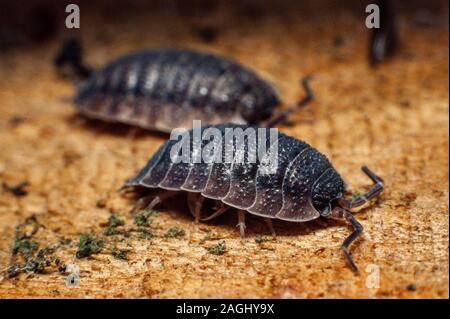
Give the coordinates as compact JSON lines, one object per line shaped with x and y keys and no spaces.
{"x":327,"y":192}
{"x":258,"y":105}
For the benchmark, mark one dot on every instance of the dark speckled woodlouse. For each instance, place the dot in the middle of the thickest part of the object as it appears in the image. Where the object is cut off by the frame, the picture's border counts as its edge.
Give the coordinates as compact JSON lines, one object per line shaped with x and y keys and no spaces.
{"x":162,"y":89}
{"x":304,"y":186}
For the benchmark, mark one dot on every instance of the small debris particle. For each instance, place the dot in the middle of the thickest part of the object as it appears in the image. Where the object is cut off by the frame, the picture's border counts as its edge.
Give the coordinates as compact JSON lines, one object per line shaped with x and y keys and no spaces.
{"x":18,"y":190}
{"x":45,"y":251}
{"x":338,"y":41}
{"x":207,"y":34}
{"x":260,"y":239}
{"x":62,"y":269}
{"x":65,"y":241}
{"x":101,"y":203}
{"x":88,"y":245}
{"x":174,"y":232}
{"x":13,"y":270}
{"x":34,"y":266}
{"x":218,"y":249}
{"x":411,"y":287}
{"x":120,"y":254}
{"x":69,"y":157}
{"x":16,"y":120}
{"x":28,"y":228}
{"x":405,"y":103}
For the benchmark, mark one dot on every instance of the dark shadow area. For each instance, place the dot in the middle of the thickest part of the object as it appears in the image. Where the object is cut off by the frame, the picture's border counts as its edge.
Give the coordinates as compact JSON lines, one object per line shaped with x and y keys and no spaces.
{"x":116,"y":129}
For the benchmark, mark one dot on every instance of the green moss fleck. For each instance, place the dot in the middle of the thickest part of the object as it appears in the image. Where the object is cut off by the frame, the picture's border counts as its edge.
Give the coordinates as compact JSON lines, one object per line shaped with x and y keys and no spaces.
{"x":355,"y":195}
{"x":26,"y":257}
{"x":145,"y":233}
{"x":218,"y":249}
{"x":260,"y":239}
{"x":120,"y":254}
{"x":24,"y":247}
{"x":141,"y":218}
{"x":88,"y":245}
{"x":174,"y":232}
{"x":113,"y":222}
{"x":210,"y":236}
{"x":206,"y":238}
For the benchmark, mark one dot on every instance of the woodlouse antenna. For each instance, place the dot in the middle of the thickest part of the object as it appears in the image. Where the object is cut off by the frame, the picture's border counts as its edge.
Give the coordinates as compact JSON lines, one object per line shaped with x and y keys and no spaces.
{"x":281,"y":117}
{"x":372,"y":193}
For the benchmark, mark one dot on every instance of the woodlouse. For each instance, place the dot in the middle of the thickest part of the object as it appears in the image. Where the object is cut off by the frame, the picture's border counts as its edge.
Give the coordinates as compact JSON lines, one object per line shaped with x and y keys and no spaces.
{"x":304,"y":186}
{"x":383,"y":40}
{"x":162,"y":89}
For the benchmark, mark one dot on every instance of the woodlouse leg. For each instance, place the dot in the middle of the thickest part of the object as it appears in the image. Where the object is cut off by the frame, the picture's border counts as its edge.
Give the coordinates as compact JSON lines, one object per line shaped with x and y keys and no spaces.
{"x":125,"y":189}
{"x":195,"y":203}
{"x":71,"y":54}
{"x":150,"y":201}
{"x":373,"y":192}
{"x":241,"y":223}
{"x":270,"y":225}
{"x":321,"y":222}
{"x":281,"y":117}
{"x":340,"y":213}
{"x":132,"y":132}
{"x":217,"y":213}
{"x":142,"y":203}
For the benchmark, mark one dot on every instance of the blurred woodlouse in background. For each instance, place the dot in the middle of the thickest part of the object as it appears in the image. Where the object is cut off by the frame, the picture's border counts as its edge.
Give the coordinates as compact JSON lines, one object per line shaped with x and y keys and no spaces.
{"x":384,"y":40}
{"x":304,"y":186}
{"x":162,"y":89}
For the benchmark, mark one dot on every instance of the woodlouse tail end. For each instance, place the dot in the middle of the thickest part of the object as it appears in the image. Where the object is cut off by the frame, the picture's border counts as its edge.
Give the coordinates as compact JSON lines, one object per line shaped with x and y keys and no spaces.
{"x":125,"y":188}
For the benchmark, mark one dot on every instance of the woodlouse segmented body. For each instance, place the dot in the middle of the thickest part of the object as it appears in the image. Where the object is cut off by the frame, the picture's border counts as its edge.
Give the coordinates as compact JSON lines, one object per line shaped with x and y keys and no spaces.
{"x":304,"y":186}
{"x":162,"y":89}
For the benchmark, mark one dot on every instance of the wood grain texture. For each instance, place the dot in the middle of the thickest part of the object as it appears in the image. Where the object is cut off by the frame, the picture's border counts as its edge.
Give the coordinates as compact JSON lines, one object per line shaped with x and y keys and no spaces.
{"x":393,"y":118}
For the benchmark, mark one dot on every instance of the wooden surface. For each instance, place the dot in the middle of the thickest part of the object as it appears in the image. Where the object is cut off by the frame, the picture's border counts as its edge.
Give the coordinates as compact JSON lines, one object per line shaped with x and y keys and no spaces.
{"x":393,"y":118}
